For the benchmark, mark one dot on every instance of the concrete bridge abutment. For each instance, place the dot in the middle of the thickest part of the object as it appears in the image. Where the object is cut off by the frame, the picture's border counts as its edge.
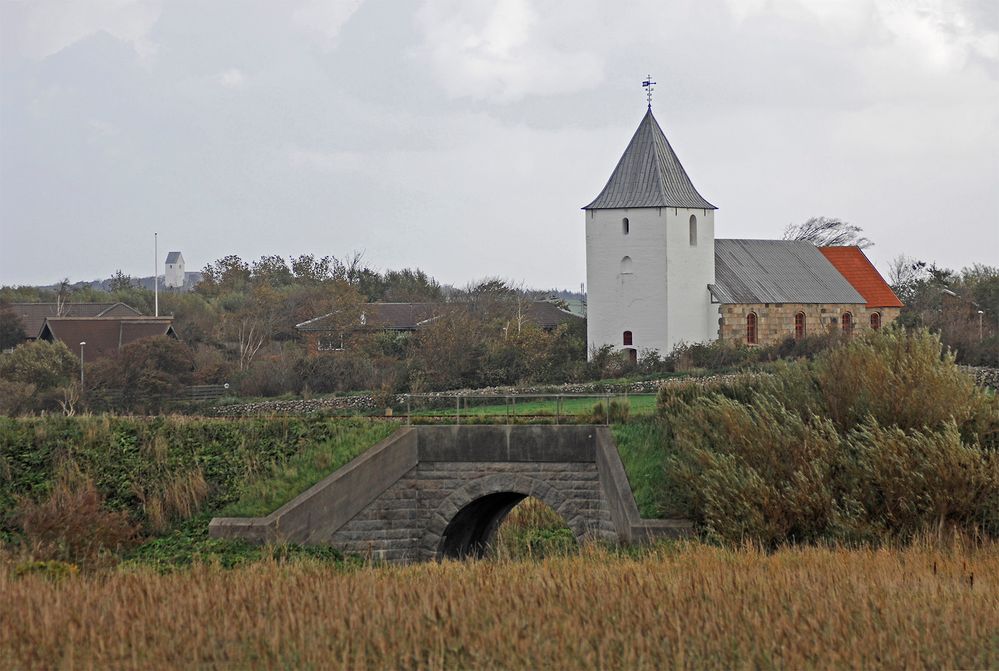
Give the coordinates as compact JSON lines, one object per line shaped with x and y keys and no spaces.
{"x":434,"y":492}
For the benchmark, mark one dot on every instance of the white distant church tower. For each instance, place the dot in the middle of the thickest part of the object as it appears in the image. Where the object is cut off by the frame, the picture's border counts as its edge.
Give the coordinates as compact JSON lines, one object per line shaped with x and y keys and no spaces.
{"x":650,"y":252}
{"x":173,"y":276}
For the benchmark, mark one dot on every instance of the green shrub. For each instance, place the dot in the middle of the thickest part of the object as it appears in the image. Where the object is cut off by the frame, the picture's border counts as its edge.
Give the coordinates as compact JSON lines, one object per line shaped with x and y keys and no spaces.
{"x":35,"y":377}
{"x":880,"y":437}
{"x":271,"y":375}
{"x":901,"y":379}
{"x":337,"y":372}
{"x":908,"y":481}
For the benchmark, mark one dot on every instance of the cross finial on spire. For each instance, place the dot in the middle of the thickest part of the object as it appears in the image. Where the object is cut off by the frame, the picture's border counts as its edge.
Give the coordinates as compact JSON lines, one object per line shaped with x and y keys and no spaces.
{"x":649,"y":87}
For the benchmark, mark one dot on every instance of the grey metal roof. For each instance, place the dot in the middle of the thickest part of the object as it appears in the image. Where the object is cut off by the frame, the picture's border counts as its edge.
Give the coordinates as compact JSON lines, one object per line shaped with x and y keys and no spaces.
{"x":777,"y":271}
{"x":649,"y":175}
{"x":173,"y":257}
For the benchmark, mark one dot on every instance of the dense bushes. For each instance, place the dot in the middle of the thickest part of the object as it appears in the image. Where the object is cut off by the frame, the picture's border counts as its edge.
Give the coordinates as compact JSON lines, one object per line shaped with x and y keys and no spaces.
{"x":158,"y":470}
{"x":37,"y":376}
{"x":880,"y":437}
{"x":146,"y":373}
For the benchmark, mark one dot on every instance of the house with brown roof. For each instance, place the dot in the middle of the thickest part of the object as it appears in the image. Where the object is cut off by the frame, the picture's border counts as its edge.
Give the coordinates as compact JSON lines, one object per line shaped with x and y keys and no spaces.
{"x":325,"y":333}
{"x":104,"y":336}
{"x":33,"y":315}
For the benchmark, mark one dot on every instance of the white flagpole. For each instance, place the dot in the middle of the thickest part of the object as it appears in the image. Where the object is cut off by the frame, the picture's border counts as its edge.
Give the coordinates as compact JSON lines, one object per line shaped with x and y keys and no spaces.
{"x":156,"y":274}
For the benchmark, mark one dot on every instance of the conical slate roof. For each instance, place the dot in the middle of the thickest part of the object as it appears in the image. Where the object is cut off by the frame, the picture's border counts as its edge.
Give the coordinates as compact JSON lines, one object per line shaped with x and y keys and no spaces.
{"x":649,"y":175}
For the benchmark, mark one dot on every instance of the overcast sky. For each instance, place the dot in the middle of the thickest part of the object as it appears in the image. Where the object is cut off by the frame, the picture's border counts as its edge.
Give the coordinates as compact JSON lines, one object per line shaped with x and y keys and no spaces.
{"x":462,"y":137}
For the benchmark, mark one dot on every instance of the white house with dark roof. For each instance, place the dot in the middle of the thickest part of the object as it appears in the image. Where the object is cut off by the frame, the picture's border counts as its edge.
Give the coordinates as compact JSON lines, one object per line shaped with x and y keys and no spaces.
{"x":173,"y":273}
{"x":657,"y":277}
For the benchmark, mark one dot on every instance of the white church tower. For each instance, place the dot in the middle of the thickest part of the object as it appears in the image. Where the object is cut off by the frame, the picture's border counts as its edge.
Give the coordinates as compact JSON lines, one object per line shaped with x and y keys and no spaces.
{"x":174,"y":271}
{"x":650,"y":252}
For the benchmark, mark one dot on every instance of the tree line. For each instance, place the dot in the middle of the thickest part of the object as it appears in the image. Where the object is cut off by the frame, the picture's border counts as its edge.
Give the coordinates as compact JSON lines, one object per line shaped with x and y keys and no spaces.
{"x":238,"y":326}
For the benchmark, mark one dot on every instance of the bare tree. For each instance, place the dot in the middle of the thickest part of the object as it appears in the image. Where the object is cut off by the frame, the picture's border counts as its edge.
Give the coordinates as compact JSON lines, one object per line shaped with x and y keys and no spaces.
{"x":905,"y":270}
{"x":61,"y":297}
{"x":250,"y":339}
{"x":827,"y":232}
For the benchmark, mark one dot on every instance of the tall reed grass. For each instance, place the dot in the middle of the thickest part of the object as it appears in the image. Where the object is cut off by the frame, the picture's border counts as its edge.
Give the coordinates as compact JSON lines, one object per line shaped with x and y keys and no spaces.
{"x":682,"y":606}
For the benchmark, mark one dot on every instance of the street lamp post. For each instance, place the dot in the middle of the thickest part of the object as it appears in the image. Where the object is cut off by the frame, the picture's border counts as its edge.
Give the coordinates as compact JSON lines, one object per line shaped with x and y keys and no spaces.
{"x":981,"y":332}
{"x":81,"y":364}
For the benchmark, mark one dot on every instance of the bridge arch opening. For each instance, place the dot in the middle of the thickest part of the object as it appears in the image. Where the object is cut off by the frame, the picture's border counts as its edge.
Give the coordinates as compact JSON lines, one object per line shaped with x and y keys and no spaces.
{"x":466,"y":521}
{"x":505,"y":524}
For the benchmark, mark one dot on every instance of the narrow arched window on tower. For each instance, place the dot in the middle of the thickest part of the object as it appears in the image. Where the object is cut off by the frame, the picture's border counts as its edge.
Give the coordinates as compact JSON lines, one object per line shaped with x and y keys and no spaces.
{"x":751,"y":328}
{"x":875,"y":320}
{"x":627,"y":338}
{"x":799,"y":326}
{"x":626,"y":265}
{"x":625,"y":226}
{"x":847,"y":323}
{"x":693,"y":231}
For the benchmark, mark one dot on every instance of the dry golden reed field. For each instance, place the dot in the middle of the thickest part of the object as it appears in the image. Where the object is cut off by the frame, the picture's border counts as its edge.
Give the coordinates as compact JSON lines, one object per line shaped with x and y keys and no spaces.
{"x":680,"y":606}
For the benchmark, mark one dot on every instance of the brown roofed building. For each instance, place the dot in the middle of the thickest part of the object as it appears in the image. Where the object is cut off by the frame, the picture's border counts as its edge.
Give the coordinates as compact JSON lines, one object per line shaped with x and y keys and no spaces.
{"x":104,"y":336}
{"x":33,"y":315}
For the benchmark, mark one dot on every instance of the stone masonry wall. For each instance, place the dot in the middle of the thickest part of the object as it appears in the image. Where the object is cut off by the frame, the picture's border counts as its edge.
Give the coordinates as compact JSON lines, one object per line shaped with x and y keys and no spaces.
{"x":392,"y":527}
{"x":775,"y":321}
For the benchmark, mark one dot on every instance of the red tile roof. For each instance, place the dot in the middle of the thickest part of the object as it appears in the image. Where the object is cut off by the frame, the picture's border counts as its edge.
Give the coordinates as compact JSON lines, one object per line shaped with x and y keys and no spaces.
{"x":861,"y":273}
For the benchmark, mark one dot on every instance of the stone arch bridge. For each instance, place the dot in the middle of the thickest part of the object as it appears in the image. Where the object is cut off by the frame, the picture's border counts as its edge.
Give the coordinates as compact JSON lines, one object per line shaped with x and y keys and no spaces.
{"x":432,"y":492}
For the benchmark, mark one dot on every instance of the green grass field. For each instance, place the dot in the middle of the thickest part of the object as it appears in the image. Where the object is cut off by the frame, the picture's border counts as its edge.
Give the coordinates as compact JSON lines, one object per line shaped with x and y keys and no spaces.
{"x":573,"y":408}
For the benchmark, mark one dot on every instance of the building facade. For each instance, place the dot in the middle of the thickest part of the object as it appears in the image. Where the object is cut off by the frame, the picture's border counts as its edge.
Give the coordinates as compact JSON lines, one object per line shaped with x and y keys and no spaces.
{"x":657,"y":276}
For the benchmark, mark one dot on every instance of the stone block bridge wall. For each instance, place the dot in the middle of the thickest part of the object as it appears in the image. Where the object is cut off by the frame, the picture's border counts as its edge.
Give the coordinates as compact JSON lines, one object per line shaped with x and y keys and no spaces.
{"x":431,"y":492}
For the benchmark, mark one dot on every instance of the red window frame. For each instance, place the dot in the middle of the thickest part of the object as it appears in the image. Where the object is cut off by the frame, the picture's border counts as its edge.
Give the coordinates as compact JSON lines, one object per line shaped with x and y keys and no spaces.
{"x":627,"y":338}
{"x":752,"y":337}
{"x":799,"y":326}
{"x":847,"y":320}
{"x":875,"y":320}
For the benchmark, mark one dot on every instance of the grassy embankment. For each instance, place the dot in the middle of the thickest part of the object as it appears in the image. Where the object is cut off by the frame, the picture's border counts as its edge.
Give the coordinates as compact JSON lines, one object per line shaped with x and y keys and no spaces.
{"x":684,"y":606}
{"x":169,"y":475}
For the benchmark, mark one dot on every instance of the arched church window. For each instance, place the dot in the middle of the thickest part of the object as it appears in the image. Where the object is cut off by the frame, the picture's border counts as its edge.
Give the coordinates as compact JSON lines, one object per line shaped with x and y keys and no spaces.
{"x":799,"y":326}
{"x":625,"y":226}
{"x":693,"y":231}
{"x":847,"y":323}
{"x":875,"y":320}
{"x":626,"y":265}
{"x":751,"y":336}
{"x":627,"y":338}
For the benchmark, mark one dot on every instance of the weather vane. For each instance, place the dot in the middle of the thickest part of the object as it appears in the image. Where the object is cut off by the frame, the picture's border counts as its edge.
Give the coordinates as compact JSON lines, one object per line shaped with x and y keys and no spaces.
{"x":649,"y":87}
